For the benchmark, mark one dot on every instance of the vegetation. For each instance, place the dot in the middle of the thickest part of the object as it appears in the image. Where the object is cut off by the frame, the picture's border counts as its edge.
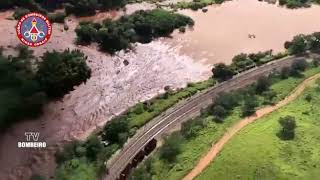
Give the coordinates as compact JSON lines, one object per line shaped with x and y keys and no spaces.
{"x":76,"y":7}
{"x":257,"y":153}
{"x":288,"y":124}
{"x":195,"y":4}
{"x":199,"y":134}
{"x":24,"y":90}
{"x":142,"y":26}
{"x":21,"y":96}
{"x":302,"y":43}
{"x":118,"y":130}
{"x":243,"y":62}
{"x":59,"y":72}
{"x":297,"y":3}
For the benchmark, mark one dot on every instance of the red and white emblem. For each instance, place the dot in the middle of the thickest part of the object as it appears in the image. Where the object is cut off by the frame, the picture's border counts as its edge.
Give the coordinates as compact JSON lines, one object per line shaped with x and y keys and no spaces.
{"x":34,"y":29}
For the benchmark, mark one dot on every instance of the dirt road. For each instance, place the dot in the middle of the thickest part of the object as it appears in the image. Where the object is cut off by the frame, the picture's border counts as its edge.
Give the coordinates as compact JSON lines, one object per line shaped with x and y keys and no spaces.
{"x":216,"y":148}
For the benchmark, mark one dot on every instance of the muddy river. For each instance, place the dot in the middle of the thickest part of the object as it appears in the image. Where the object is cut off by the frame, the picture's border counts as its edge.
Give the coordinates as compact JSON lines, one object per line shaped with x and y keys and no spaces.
{"x":223,"y":31}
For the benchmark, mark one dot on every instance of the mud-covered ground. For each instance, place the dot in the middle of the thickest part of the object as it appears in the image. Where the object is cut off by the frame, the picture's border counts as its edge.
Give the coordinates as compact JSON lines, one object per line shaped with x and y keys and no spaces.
{"x":112,"y":88}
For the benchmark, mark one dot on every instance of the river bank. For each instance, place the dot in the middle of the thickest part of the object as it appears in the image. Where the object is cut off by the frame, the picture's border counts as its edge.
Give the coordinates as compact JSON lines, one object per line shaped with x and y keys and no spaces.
{"x":113,"y":87}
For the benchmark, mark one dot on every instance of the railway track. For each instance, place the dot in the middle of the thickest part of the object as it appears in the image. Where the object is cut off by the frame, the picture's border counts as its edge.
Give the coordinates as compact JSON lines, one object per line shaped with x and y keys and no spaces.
{"x":183,"y":111}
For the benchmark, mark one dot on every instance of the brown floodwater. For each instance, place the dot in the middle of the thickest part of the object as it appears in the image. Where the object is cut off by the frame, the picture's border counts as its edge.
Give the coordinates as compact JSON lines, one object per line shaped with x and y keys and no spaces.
{"x":223,"y":31}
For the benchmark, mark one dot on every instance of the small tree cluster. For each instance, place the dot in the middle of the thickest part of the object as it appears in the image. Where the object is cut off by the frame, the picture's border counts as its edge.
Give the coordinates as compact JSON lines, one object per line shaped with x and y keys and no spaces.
{"x":288,"y":125}
{"x":302,"y":43}
{"x":171,"y":148}
{"x":223,"y":104}
{"x":59,"y":72}
{"x":142,"y":26}
{"x":222,"y":72}
{"x":249,"y":106}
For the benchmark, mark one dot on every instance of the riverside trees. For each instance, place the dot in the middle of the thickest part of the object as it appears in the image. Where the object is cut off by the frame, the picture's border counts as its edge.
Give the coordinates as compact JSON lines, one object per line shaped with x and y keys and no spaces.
{"x":24,"y":90}
{"x":142,"y":26}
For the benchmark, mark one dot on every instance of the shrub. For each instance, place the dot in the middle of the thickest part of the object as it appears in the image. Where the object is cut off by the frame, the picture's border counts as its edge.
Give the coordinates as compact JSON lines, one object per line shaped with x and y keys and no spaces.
{"x":190,"y":128}
{"x":171,"y":148}
{"x":250,"y":104}
{"x":57,"y":17}
{"x":219,"y":113}
{"x":288,"y":125}
{"x":263,"y":84}
{"x":222,"y":72}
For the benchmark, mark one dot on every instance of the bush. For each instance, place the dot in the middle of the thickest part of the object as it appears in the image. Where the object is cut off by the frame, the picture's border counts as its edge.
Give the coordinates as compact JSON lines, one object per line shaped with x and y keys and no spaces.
{"x":298,"y":45}
{"x":171,"y":148}
{"x":219,"y":113}
{"x":59,"y":72}
{"x":222,"y":72}
{"x":113,"y":129}
{"x":190,"y":128}
{"x":227,"y":100}
{"x":288,"y":125}
{"x":250,"y":104}
{"x":57,"y":17}
{"x":263,"y":84}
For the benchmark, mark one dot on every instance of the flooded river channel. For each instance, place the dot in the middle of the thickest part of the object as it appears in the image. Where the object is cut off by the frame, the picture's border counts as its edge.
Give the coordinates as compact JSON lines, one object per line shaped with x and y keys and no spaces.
{"x":224,"y":30}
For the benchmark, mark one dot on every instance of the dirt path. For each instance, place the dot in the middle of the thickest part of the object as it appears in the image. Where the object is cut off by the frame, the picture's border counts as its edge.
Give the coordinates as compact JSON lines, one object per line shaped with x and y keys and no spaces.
{"x":216,"y":148}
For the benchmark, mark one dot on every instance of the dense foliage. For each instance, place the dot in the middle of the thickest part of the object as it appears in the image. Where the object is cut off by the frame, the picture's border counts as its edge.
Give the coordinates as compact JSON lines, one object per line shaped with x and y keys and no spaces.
{"x":24,"y":91}
{"x":59,"y":72}
{"x":297,"y":3}
{"x":243,"y":62}
{"x":21,"y":96}
{"x":302,"y":43}
{"x":288,"y":125}
{"x":142,"y":26}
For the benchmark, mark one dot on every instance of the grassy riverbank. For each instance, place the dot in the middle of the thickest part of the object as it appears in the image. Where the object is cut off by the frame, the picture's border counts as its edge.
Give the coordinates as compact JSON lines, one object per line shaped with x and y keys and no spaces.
{"x":191,"y":149}
{"x":257,"y":152}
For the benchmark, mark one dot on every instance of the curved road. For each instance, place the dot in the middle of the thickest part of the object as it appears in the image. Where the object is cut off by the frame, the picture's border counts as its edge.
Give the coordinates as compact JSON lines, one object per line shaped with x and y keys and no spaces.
{"x":185,"y":110}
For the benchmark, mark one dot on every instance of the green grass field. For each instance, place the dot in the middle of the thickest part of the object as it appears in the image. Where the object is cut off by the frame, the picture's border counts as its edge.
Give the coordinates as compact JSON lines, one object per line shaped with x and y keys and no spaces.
{"x":193,"y":149}
{"x":257,"y":153}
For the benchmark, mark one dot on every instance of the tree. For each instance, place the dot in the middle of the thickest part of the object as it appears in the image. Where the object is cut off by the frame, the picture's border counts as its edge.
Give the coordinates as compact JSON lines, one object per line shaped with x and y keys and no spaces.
{"x":171,"y":148}
{"x":93,"y":147}
{"x":59,"y":72}
{"x":113,"y":129}
{"x":298,"y":45}
{"x":288,"y":125}
{"x":263,"y":84}
{"x":86,"y":33}
{"x":219,"y":113}
{"x":190,"y":128}
{"x":222,"y":72}
{"x":298,"y":66}
{"x":227,"y":100}
{"x":250,"y":104}
{"x":315,"y":41}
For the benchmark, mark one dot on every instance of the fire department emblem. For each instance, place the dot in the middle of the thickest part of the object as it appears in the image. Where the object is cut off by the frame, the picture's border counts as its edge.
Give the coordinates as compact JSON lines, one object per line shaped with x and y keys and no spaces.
{"x":34,"y":29}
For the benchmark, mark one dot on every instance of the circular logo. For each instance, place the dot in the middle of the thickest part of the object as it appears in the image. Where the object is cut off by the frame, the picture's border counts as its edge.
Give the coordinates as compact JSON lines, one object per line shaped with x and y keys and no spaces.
{"x":34,"y":29}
